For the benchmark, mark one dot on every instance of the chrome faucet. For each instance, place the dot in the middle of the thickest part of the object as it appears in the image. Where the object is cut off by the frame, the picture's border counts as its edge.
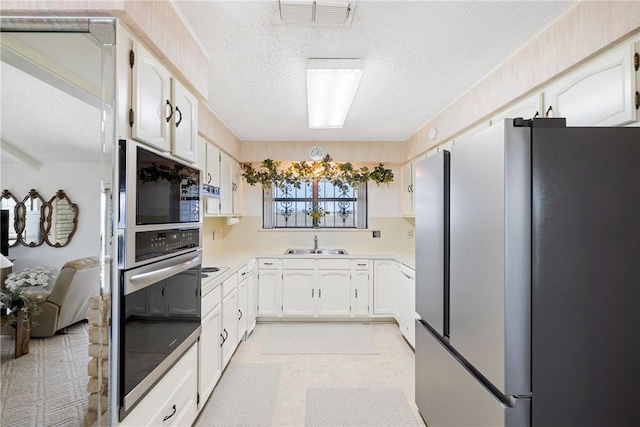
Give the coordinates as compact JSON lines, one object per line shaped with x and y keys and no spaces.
{"x":315,"y":243}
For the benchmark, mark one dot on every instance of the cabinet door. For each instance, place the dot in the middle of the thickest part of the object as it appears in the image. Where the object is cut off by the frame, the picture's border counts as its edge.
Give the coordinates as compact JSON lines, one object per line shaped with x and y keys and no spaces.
{"x":229,"y":326}
{"x":212,"y":176}
{"x":243,"y":296}
{"x":202,"y":158}
{"x":384,"y":286}
{"x":252,"y":299}
{"x":184,"y":123}
{"x":406,"y":195}
{"x":360,"y":292}
{"x":269,"y":290}
{"x":298,"y":292}
{"x":152,"y":108}
{"x":236,"y":187}
{"x":406,"y":303}
{"x":527,"y":109}
{"x":210,"y":353}
{"x":226,"y":184}
{"x":334,"y":293}
{"x":601,"y":93}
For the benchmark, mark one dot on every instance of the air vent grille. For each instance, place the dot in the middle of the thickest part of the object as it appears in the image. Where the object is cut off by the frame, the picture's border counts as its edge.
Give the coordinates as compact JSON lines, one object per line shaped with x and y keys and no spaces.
{"x":334,"y":13}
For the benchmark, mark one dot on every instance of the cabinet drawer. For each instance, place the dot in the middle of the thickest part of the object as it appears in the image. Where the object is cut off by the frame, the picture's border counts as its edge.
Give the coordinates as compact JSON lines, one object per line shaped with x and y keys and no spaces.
{"x":229,"y":285}
{"x":211,"y":300}
{"x":360,"y":264}
{"x":269,"y":264}
{"x":299,"y":264}
{"x":334,"y":264}
{"x":178,"y":387}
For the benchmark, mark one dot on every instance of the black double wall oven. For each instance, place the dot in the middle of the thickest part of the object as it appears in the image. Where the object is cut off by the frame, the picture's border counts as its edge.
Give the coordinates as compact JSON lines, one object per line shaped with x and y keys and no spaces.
{"x":159,"y":262}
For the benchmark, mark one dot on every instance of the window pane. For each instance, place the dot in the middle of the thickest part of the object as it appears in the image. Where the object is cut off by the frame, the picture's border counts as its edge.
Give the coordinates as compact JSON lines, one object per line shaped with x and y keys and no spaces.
{"x":292,"y":207}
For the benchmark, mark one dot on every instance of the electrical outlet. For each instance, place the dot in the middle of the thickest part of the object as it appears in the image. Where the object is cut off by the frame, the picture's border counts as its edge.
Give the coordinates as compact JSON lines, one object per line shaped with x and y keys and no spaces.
{"x":410,"y":234}
{"x":376,"y":233}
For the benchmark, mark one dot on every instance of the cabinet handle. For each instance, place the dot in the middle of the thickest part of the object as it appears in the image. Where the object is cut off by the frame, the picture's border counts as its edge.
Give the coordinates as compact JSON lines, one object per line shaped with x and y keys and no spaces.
{"x":356,"y":293}
{"x":408,"y":189}
{"x":312,"y":291}
{"x":170,"y":111}
{"x":319,"y":293}
{"x":208,"y":178}
{"x":180,"y":120}
{"x":240,"y":311}
{"x":169,"y":416}
{"x":549,"y":111}
{"x":362,"y":265}
{"x":268,"y":263}
{"x":223,"y":340}
{"x":244,"y":274}
{"x":226,"y":334}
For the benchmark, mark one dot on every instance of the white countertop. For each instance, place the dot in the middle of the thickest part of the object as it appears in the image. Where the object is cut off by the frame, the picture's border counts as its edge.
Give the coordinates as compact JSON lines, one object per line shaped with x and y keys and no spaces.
{"x":234,"y":260}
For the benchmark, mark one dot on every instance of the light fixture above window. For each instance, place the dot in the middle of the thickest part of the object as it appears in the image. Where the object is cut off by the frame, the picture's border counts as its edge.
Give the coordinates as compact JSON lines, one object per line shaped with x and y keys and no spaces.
{"x":331,"y":87}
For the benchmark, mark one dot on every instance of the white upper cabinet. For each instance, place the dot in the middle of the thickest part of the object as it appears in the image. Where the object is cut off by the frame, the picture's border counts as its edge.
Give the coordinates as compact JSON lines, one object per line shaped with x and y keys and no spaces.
{"x":236,"y":188}
{"x":184,"y":123}
{"x":406,"y":184}
{"x":527,"y":109}
{"x":212,"y":169}
{"x":163,"y":113}
{"x":601,"y":93}
{"x":152,"y":110}
{"x":226,"y":184}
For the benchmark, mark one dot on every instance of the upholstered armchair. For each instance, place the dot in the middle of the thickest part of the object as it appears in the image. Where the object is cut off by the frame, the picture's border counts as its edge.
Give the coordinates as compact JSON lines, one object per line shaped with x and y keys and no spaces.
{"x":68,"y":301}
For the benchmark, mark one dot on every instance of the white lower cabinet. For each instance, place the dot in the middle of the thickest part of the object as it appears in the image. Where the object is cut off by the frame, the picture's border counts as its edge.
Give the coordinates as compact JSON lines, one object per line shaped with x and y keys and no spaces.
{"x":334,"y":293}
{"x":252,"y":299}
{"x":229,"y":325}
{"x":299,"y":292}
{"x":172,"y":401}
{"x":269,"y":287}
{"x":384,"y":286}
{"x":243,"y":302}
{"x":210,"y":345}
{"x":406,"y":303}
{"x":360,"y":285}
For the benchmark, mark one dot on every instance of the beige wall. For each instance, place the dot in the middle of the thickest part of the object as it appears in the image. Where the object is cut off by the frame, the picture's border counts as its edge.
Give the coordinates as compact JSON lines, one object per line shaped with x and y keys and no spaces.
{"x":248,"y":235}
{"x":579,"y":35}
{"x":211,"y":128}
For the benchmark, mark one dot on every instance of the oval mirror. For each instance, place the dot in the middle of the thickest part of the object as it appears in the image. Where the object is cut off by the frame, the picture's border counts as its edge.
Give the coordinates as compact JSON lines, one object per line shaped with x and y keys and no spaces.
{"x":9,"y":203}
{"x":59,"y":220}
{"x":29,"y":212}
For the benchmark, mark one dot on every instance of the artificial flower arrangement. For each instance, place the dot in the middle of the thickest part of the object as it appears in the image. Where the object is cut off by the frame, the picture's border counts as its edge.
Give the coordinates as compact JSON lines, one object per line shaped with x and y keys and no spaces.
{"x":16,"y":295}
{"x":317,"y":213}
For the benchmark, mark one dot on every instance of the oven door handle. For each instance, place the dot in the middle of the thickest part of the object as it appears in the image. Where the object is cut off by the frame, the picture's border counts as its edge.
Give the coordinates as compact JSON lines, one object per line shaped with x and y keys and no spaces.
{"x":146,"y":278}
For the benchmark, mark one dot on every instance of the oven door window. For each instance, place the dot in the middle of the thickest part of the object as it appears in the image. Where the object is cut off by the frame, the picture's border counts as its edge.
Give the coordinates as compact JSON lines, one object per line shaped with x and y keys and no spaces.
{"x":157,"y":319}
{"x":167,"y":191}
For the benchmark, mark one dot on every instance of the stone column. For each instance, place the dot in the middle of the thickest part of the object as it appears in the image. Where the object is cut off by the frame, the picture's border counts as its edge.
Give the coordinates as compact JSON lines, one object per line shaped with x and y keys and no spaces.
{"x":98,"y":369}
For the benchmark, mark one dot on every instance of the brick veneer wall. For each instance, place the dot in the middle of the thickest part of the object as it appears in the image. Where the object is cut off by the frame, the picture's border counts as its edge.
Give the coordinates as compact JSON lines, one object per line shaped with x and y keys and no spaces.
{"x":98,"y":369}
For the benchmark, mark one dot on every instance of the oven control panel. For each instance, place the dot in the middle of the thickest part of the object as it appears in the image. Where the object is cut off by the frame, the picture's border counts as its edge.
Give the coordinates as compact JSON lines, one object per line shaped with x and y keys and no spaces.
{"x":152,"y":244}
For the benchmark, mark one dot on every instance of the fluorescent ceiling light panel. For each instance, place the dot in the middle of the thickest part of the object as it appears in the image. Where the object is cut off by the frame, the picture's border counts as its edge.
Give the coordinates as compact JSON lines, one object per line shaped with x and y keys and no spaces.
{"x":331,"y":86}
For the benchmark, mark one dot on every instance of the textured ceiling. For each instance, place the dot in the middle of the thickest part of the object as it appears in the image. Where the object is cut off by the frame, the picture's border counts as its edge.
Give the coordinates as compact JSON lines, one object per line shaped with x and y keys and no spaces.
{"x":45,"y":123}
{"x":418,"y":58}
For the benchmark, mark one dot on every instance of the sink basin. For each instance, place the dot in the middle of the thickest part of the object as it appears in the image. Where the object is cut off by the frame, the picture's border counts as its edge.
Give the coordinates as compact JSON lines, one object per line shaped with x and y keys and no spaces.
{"x":331,"y":252}
{"x":300,"y":252}
{"x":315,"y":252}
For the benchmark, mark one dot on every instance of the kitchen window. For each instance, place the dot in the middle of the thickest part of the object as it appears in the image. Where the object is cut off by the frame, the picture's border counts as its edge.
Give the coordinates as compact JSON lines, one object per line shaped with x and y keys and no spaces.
{"x":286,"y":206}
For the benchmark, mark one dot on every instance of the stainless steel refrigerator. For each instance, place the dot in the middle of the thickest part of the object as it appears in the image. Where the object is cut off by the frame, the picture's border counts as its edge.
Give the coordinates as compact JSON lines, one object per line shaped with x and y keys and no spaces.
{"x":528,"y":278}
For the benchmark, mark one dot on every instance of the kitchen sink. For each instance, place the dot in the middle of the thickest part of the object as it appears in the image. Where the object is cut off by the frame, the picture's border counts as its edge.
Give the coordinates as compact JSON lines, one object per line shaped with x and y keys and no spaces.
{"x":315,"y":252}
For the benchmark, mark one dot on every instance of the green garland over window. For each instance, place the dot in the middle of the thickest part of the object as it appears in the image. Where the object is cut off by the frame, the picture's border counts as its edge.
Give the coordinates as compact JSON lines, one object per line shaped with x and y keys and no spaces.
{"x":339,"y":174}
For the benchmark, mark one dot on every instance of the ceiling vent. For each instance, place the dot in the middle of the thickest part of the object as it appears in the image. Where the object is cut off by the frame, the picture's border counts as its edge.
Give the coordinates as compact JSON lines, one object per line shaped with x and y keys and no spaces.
{"x":329,"y":13}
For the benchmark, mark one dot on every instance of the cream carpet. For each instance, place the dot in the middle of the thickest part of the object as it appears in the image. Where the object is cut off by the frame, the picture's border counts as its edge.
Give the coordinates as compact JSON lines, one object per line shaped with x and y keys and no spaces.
{"x":319,"y":338}
{"x":351,"y":407}
{"x":245,"y":396}
{"x":48,"y":386}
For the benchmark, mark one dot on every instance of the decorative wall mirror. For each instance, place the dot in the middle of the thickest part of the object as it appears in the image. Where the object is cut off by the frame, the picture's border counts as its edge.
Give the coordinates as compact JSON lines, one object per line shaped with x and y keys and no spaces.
{"x":59,"y":220}
{"x":30,"y":212}
{"x":9,"y":202}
